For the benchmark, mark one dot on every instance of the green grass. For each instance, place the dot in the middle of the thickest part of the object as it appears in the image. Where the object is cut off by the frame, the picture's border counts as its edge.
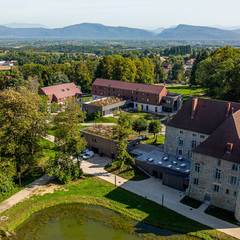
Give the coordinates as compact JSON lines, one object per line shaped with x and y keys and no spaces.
{"x":151,"y":140}
{"x":129,"y":172}
{"x":102,"y":120}
{"x":27,"y":178}
{"x":147,"y":116}
{"x":221,"y":214}
{"x":92,"y":190}
{"x":86,"y":99}
{"x":187,"y":90}
{"x":191,"y":202}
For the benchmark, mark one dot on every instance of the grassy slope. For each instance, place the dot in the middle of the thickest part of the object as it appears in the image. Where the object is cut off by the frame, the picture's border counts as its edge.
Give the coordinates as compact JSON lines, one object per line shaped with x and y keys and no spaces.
{"x":92,"y":190}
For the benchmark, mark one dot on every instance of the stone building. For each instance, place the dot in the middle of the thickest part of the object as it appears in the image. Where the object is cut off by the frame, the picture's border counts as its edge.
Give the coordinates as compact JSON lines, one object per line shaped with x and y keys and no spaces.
{"x":208,"y":132}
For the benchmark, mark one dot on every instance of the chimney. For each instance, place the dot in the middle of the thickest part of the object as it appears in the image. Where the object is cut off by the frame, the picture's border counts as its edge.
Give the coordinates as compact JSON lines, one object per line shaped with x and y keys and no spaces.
{"x":229,"y":148}
{"x":194,"y":107}
{"x":228,"y":109}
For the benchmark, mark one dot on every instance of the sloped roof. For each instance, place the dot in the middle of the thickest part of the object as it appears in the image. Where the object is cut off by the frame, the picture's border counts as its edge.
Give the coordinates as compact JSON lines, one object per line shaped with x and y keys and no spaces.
{"x":147,"y":88}
{"x":209,"y":114}
{"x":216,"y":144}
{"x":62,"y":91}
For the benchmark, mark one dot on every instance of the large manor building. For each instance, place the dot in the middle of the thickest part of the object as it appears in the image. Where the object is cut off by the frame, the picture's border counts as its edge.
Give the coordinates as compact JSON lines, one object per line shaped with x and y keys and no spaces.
{"x":207,"y":132}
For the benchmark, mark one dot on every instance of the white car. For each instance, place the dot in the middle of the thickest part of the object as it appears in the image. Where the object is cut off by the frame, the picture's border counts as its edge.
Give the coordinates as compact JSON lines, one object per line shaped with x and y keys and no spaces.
{"x":150,"y":159}
{"x":84,"y":152}
{"x":88,"y":154}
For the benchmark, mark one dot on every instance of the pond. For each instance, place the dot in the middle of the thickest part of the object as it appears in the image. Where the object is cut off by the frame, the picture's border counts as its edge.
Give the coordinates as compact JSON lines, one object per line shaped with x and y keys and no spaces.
{"x":88,"y":222}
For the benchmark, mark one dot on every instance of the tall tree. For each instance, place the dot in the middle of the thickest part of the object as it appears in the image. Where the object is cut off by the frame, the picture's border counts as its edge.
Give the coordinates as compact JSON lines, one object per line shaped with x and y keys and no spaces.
{"x":154,"y":127}
{"x":59,"y":78}
{"x":22,"y":126}
{"x":139,"y":125}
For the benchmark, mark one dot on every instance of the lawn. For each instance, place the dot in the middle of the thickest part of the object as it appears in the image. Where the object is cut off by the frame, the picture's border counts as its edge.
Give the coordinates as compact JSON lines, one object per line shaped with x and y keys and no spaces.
{"x":151,"y":140}
{"x":86,"y":99}
{"x":191,"y":202}
{"x":92,"y":190}
{"x":102,"y":120}
{"x":129,"y":172}
{"x":221,"y":214}
{"x":147,"y":116}
{"x":187,"y":91}
{"x":48,"y":151}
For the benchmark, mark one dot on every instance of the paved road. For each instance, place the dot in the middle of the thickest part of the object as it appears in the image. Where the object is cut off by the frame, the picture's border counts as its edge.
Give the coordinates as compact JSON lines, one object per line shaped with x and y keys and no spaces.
{"x":25,"y":193}
{"x":153,"y":189}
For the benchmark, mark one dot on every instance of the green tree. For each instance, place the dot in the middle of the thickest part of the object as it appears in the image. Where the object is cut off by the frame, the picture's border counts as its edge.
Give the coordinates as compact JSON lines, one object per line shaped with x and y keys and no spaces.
{"x":178,"y":71}
{"x":6,"y":183}
{"x":59,"y":78}
{"x":219,"y":74}
{"x":22,"y":126}
{"x":154,"y":127}
{"x":139,"y":125}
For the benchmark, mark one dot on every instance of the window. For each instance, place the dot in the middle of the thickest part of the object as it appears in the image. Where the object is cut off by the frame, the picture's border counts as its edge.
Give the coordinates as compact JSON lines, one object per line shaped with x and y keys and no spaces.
{"x":156,"y":96}
{"x":95,"y":91}
{"x":104,"y":88}
{"x":234,"y":167}
{"x":227,"y":191}
{"x":147,"y":100}
{"x":180,"y":152}
{"x":109,"y":89}
{"x":142,"y":99}
{"x":233,"y":180}
{"x":194,"y":144}
{"x":136,"y":98}
{"x":202,"y":136}
{"x":156,"y":101}
{"x":147,"y":95}
{"x":143,"y":94}
{"x":194,"y":134}
{"x":118,"y":90}
{"x":168,"y":101}
{"x":136,"y":105}
{"x":181,"y":132}
{"x":100,"y":87}
{"x":108,"y":94}
{"x":63,"y":90}
{"x":113,"y":89}
{"x":196,"y":181}
{"x":68,"y":89}
{"x":216,"y":188}
{"x":218,"y":174}
{"x":123,"y":91}
{"x":95,"y":86}
{"x":235,"y":193}
{"x":197,"y":167}
{"x":136,"y":93}
{"x":180,"y":141}
{"x":132,"y":92}
{"x":94,"y":140}
{"x":218,"y":162}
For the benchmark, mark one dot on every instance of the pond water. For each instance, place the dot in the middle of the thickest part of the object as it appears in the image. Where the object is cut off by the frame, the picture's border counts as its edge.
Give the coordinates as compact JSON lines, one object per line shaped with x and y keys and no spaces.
{"x":88,"y":222}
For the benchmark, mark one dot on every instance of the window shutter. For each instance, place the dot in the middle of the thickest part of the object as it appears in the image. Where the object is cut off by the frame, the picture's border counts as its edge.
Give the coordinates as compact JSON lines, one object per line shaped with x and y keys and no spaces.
{"x":220,"y":189}
{"x":230,"y":166}
{"x":229,"y":178}
{"x":199,"y":183}
{"x":221,"y":175}
{"x":213,"y":172}
{"x":238,"y":181}
{"x":193,"y":166}
{"x":201,"y":168}
{"x":216,"y":162}
{"x":212,"y":188}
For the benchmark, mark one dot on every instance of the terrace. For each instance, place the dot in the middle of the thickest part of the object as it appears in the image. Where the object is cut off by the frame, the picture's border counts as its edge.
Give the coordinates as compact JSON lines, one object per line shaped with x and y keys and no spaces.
{"x":105,"y":101}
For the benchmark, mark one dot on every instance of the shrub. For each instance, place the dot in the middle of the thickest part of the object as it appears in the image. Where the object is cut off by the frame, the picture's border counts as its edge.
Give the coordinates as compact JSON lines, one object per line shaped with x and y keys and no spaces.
{"x":6,"y":183}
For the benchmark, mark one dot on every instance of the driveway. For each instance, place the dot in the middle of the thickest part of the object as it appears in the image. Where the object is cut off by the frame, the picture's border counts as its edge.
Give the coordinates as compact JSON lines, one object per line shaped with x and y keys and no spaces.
{"x":153,"y":189}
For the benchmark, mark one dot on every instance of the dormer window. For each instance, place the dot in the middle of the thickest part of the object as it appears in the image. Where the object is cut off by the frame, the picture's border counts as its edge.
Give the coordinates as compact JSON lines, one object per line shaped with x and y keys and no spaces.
{"x":229,"y":148}
{"x":63,"y":90}
{"x":68,"y":89}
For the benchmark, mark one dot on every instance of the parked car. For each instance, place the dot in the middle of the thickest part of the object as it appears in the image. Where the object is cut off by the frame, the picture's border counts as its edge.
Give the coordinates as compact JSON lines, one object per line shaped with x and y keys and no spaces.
{"x":88,"y":154}
{"x":150,"y":159}
{"x":84,"y":152}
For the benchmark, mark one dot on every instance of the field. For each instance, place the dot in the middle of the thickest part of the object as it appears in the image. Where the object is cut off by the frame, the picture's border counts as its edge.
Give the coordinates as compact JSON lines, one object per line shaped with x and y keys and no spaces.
{"x":187,"y":91}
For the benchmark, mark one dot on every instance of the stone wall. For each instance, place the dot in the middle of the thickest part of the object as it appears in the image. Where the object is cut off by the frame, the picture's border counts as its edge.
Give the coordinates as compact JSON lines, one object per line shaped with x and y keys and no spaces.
{"x":226,"y":197}
{"x":172,"y":141}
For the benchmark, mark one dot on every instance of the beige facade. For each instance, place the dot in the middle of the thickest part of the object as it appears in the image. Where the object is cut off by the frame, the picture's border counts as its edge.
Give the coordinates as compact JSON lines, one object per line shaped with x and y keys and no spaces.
{"x":215,"y":181}
{"x":181,"y":142}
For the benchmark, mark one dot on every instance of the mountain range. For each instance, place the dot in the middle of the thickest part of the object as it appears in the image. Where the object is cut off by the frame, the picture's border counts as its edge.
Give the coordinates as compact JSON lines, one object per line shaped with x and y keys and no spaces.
{"x":92,"y":31}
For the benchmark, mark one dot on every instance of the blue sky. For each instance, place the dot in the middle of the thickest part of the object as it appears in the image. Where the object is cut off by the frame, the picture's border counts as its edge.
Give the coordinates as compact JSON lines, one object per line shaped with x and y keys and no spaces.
{"x":146,"y":14}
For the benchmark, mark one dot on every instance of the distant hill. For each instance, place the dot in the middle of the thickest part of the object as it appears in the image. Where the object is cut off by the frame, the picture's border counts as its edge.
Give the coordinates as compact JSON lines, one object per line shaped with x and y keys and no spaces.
{"x":236,"y":31}
{"x":93,"y":31}
{"x":79,"y":31}
{"x":157,"y":31}
{"x":23,"y":25}
{"x":188,"y":32}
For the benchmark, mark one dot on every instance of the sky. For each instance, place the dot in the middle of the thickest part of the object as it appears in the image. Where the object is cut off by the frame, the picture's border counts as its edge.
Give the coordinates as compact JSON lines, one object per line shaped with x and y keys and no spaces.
{"x":145,"y":14}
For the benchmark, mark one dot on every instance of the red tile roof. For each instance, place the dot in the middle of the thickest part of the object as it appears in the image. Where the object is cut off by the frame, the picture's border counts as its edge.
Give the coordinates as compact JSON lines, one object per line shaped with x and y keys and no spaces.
{"x":147,"y":88}
{"x":208,"y":115}
{"x":62,"y":91}
{"x":224,"y":142}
